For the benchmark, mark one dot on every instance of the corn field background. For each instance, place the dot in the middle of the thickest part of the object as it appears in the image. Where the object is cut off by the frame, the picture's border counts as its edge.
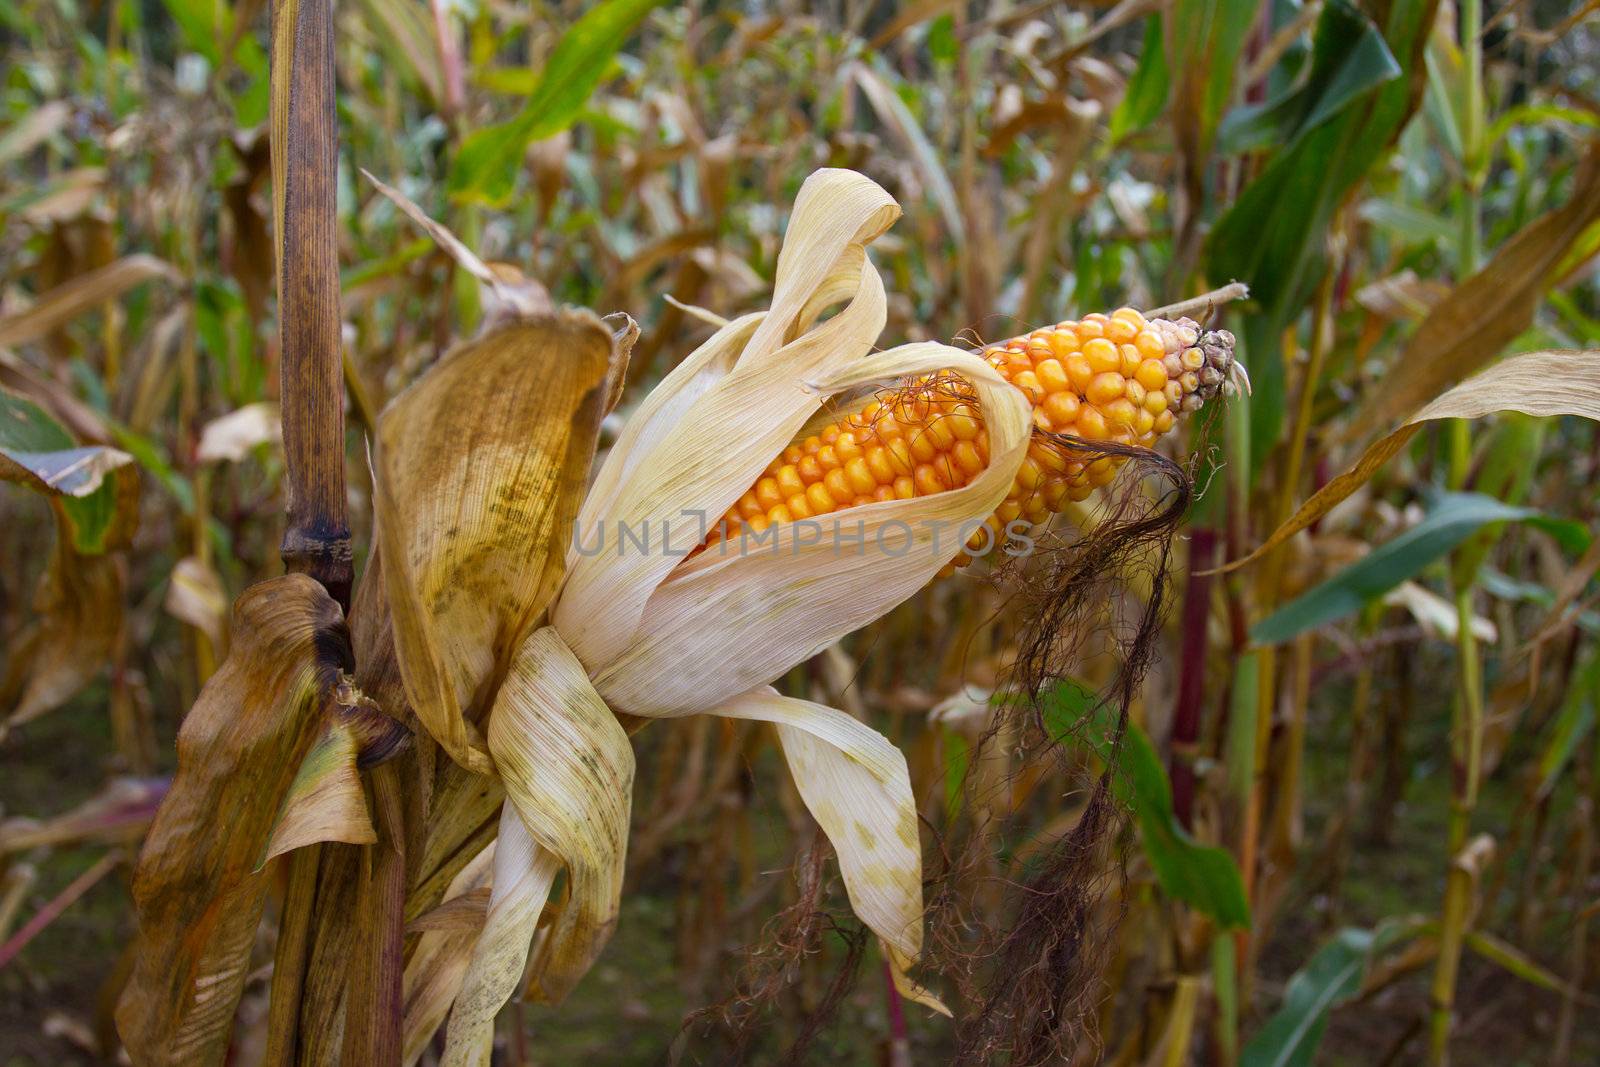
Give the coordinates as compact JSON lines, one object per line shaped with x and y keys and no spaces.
{"x":1358,"y":799}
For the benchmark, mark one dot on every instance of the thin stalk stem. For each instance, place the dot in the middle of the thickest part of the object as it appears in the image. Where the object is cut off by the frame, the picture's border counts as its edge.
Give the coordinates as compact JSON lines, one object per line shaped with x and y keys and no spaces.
{"x":1467,"y":719}
{"x":1269,"y":591}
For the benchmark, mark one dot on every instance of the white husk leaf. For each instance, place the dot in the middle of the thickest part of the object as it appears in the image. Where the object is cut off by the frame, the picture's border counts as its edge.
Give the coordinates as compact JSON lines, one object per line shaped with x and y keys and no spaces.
{"x":523,"y":874}
{"x":438,"y":966}
{"x":727,"y":437}
{"x":567,"y":768}
{"x":663,"y":408}
{"x":743,"y":620}
{"x":855,"y":784}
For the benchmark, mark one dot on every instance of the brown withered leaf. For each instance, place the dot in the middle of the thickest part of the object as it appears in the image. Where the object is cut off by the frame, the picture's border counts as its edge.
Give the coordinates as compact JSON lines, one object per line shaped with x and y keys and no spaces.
{"x":196,"y":890}
{"x":71,"y":299}
{"x":77,"y":618}
{"x":481,"y":466}
{"x":1471,"y":327}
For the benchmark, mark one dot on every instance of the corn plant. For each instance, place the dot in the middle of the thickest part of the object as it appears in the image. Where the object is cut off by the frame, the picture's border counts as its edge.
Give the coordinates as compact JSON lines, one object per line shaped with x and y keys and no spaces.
{"x":1060,"y":677}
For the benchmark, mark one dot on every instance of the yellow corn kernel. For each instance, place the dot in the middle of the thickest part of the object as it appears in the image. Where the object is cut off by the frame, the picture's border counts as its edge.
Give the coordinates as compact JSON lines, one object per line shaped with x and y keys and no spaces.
{"x":1118,"y":378}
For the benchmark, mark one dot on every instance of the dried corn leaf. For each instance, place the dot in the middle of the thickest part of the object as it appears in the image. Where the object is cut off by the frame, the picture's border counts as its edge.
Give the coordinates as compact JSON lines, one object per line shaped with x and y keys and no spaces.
{"x":196,"y":889}
{"x":481,"y":465}
{"x":33,"y":129}
{"x":119,"y":812}
{"x":77,"y":619}
{"x":1535,"y":383}
{"x":1473,"y":325}
{"x":517,"y":294}
{"x":87,"y":291}
{"x":326,"y":802}
{"x":195,"y":595}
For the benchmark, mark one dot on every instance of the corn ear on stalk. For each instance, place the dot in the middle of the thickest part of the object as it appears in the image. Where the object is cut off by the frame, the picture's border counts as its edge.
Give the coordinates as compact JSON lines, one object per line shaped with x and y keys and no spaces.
{"x":1120,"y":379}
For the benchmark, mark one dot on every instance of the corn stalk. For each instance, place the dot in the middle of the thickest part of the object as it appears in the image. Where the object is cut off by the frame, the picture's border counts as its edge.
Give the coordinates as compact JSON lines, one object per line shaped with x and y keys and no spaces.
{"x":1467,"y":722}
{"x":316,"y":537}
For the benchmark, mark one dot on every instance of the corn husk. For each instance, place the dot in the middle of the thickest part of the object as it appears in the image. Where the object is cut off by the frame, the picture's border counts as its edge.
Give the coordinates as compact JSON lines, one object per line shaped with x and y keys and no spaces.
{"x":650,"y":634}
{"x":480,"y":467}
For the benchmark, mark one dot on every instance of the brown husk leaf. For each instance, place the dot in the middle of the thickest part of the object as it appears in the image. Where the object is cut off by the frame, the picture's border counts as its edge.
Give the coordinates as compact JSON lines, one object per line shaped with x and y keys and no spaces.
{"x":481,"y":468}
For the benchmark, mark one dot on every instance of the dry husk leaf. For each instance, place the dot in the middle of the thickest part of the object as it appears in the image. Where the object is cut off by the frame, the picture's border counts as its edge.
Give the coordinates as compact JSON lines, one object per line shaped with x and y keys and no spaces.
{"x":480,"y":466}
{"x":850,"y":776}
{"x":568,"y":771}
{"x":87,"y":291}
{"x":438,"y":964}
{"x":195,"y":595}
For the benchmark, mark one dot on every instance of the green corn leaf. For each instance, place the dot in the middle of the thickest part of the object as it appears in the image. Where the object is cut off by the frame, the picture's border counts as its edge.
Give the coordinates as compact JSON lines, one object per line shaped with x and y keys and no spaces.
{"x":1452,"y":519}
{"x":1349,"y":59}
{"x":1147,"y":90}
{"x":486,"y":167}
{"x":1203,"y":876}
{"x":1290,"y":1038}
{"x":1571,"y":726}
{"x":94,"y":488}
{"x":1272,"y":235}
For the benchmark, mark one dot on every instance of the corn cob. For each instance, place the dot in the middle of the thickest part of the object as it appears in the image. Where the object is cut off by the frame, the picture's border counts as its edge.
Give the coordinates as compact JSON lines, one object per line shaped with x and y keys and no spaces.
{"x":1117,"y":378}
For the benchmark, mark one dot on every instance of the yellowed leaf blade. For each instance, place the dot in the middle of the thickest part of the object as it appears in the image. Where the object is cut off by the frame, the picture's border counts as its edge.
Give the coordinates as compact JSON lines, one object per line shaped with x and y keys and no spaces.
{"x":1472,"y":326}
{"x":87,"y":291}
{"x":195,"y":891}
{"x":1535,"y":383}
{"x":481,"y":468}
{"x":325,"y":802}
